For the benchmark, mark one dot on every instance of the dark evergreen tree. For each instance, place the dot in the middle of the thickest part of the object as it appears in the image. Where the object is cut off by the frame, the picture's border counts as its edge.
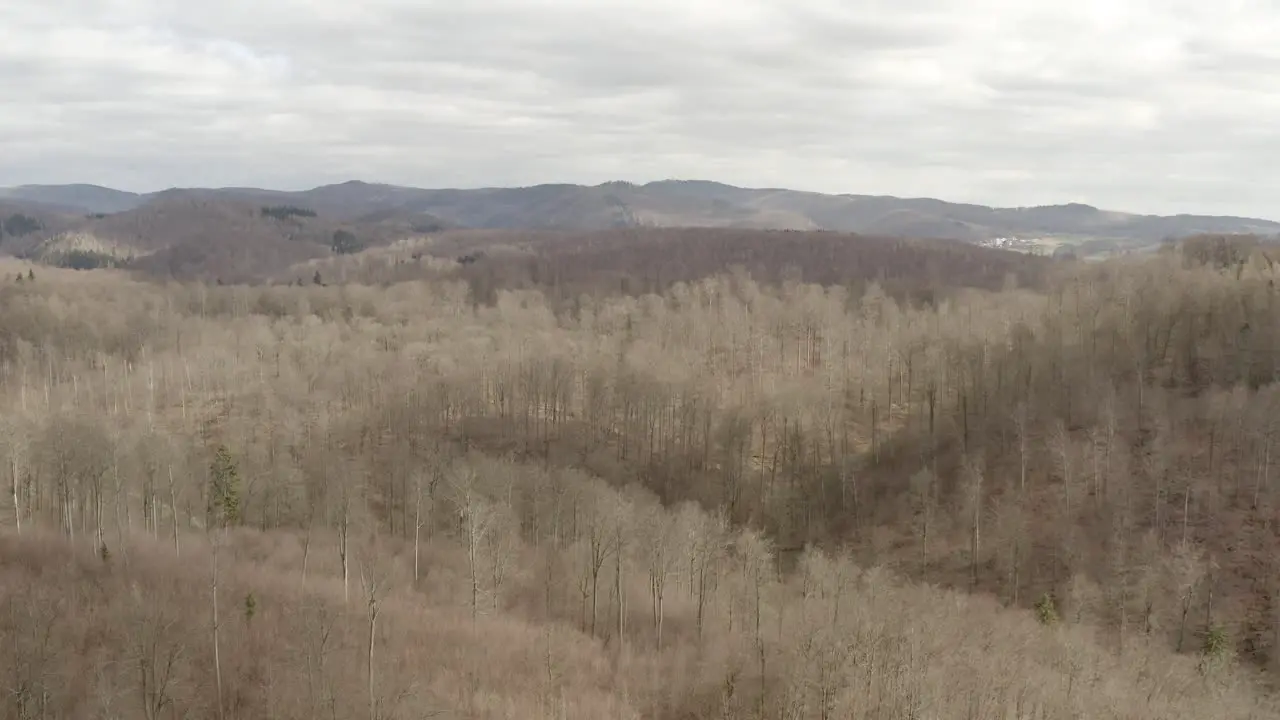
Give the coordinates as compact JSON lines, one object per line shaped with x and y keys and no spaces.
{"x":224,"y":488}
{"x":345,"y":243}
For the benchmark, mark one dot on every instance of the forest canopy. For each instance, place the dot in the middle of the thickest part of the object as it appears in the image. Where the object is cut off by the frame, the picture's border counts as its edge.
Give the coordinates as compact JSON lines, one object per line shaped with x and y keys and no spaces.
{"x":751,"y":493}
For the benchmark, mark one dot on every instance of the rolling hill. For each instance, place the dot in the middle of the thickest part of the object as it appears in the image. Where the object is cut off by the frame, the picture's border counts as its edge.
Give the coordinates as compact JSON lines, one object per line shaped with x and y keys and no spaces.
{"x":675,"y":203}
{"x":77,"y":198}
{"x":228,"y":233}
{"x":186,"y":234}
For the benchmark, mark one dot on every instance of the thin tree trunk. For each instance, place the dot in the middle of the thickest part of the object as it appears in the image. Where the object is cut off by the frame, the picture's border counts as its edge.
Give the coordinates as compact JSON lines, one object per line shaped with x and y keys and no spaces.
{"x":173,"y":510}
{"x":17,"y":505}
{"x":306,"y":553}
{"x":473,"y":550}
{"x":1182,"y":621}
{"x":417,"y":530}
{"x":702,"y":594}
{"x":342,"y":553}
{"x":373,"y":620}
{"x":217,"y":659}
{"x":97,"y":514}
{"x":120,"y":524}
{"x":617,"y":584}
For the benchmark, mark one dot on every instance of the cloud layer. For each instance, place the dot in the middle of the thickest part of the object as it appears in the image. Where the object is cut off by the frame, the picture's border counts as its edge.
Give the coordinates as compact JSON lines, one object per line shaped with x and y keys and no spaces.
{"x":1146,"y":105}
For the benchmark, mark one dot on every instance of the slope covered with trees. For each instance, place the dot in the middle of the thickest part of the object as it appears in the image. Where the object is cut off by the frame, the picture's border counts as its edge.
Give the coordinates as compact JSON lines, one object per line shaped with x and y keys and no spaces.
{"x":564,"y":266}
{"x":737,"y":497}
{"x":689,"y":203}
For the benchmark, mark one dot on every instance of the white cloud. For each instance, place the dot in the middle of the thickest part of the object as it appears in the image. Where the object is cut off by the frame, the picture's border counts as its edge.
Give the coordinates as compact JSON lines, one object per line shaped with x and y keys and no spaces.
{"x":1161,"y":106}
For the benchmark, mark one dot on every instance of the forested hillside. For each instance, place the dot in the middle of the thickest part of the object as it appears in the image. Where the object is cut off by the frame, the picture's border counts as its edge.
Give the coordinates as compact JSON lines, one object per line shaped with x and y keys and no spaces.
{"x":682,"y":203}
{"x":564,"y":266}
{"x":726,"y":493}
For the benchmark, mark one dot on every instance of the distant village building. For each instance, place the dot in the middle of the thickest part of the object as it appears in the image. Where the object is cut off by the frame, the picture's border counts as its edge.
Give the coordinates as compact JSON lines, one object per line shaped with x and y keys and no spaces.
{"x":1030,"y":245}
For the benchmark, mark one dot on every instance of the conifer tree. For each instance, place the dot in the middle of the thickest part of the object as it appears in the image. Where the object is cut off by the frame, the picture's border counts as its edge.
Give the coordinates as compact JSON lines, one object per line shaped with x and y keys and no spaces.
{"x":224,"y":488}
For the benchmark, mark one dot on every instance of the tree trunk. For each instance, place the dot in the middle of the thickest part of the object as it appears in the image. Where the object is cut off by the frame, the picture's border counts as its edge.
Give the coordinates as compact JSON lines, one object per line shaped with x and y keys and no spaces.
{"x":373,"y":619}
{"x":173,"y":510}
{"x":217,"y":658}
{"x":417,"y":531}
{"x":342,"y":555}
{"x":617,"y":586}
{"x":702,"y":594}
{"x":17,"y":506}
{"x":595,"y":587}
{"x":306,"y":553}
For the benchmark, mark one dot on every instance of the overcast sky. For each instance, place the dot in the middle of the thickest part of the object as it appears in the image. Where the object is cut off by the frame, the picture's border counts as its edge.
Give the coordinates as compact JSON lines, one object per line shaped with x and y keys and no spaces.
{"x":1143,"y":105}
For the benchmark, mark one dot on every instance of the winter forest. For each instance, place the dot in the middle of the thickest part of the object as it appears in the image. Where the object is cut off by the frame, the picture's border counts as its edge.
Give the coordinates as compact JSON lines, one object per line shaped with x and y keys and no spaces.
{"x":593,"y":481}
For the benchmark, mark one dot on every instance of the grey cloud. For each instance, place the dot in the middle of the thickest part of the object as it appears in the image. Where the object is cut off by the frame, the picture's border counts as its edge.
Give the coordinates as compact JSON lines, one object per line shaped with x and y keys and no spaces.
{"x":1155,"y":106}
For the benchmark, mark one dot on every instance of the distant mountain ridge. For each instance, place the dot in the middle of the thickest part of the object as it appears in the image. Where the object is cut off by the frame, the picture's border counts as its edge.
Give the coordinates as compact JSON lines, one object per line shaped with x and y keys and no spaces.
{"x":79,"y":197}
{"x":677,"y":203}
{"x":243,"y":233}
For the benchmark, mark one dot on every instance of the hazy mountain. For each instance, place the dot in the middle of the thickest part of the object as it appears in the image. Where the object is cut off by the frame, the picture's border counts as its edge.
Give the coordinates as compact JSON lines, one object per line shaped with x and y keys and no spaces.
{"x":675,"y":203}
{"x":79,"y":198}
{"x":670,"y":203}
